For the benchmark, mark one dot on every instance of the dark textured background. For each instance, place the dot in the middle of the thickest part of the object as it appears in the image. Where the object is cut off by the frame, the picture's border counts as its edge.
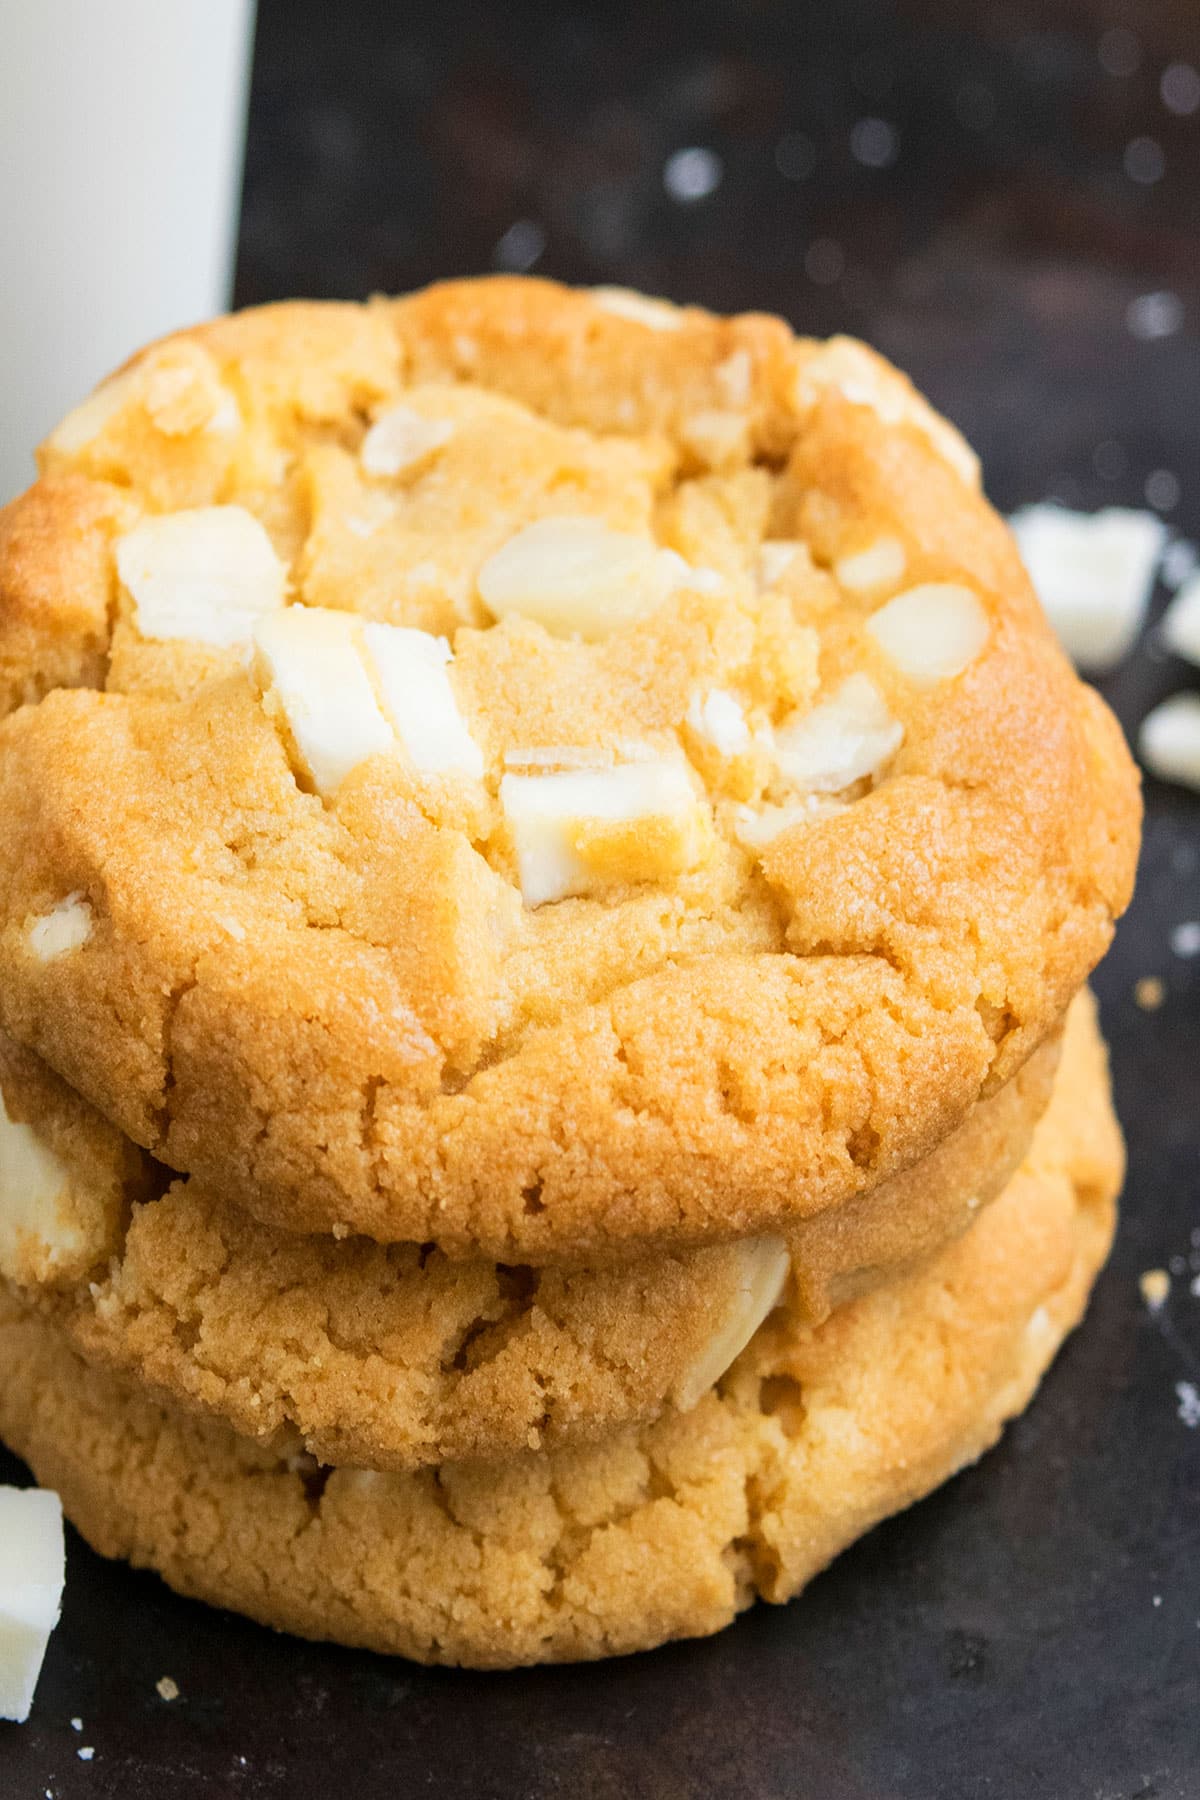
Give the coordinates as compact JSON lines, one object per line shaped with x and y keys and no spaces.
{"x":1033,"y":1631}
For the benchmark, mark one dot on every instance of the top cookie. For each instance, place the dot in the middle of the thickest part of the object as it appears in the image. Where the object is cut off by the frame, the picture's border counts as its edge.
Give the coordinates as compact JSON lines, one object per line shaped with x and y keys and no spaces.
{"x":533,"y":771}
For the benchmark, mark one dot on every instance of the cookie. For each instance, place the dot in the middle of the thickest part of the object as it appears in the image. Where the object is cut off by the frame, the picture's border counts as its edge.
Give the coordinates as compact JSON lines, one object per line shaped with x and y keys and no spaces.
{"x":662,"y":1532}
{"x":536,"y":772}
{"x":392,"y":1356}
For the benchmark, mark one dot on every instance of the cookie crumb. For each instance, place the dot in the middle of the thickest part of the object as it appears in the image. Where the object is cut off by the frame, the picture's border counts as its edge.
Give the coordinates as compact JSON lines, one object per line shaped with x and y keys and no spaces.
{"x":1155,"y":1285}
{"x":1149,"y":993}
{"x":166,"y":1689}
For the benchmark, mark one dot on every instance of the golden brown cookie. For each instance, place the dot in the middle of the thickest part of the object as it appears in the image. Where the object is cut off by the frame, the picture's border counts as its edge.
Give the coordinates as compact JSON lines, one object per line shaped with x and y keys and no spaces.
{"x":536,"y":771}
{"x":391,"y":1356}
{"x":654,"y":1533}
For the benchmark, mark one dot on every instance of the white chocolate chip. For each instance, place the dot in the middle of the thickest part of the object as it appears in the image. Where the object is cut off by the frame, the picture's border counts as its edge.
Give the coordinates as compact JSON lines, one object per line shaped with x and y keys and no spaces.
{"x":417,"y":696}
{"x":703,"y":581}
{"x":83,"y":425}
{"x":864,"y":379}
{"x":38,"y":1234}
{"x":577,"y":577}
{"x":881,"y":564}
{"x":932,"y":632}
{"x":657,"y":315}
{"x":1181,"y":621}
{"x":734,"y":378}
{"x":400,"y":439}
{"x":553,"y":756}
{"x":775,"y":558}
{"x":584,"y":829}
{"x":312,"y":669}
{"x":842,"y":740}
{"x":716,"y":436}
{"x":373,"y":511}
{"x":226,"y":417}
{"x":717,"y":718}
{"x":1093,"y":574}
{"x":207,"y":575}
{"x":1169,"y":740}
{"x":32,"y":1573}
{"x":63,"y":929}
{"x":758,"y":827}
{"x":762,"y":1279}
{"x":179,"y":398}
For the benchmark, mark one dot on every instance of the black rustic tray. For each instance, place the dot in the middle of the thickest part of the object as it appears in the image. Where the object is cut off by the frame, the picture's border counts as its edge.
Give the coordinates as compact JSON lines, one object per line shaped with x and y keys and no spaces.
{"x":1032,"y":1631}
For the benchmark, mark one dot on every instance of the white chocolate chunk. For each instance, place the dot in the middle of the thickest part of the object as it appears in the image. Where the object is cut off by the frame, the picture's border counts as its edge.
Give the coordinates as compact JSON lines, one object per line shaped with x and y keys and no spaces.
{"x":577,"y":577}
{"x":411,"y":667}
{"x":775,"y":558}
{"x":932,"y":632}
{"x":1169,"y":740}
{"x":1181,"y":621}
{"x":735,"y":378}
{"x":762,"y":1278}
{"x":881,"y":564}
{"x":84,"y":423}
{"x":63,"y":929}
{"x":865,"y":380}
{"x":373,"y":512}
{"x":657,"y":315}
{"x":842,"y":740}
{"x":1093,"y":573}
{"x":758,"y":827}
{"x":400,"y":439}
{"x":226,"y":417}
{"x":32,"y":1573}
{"x":716,"y":436}
{"x":552,"y":756}
{"x":702,"y":581}
{"x":717,"y":718}
{"x":207,"y":575}
{"x":311,"y":668}
{"x":39,"y":1234}
{"x":164,"y":389}
{"x":584,"y":829}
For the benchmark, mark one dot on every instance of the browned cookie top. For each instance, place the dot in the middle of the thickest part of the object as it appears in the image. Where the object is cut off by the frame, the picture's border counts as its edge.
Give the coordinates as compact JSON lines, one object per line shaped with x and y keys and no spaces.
{"x":535,"y":771}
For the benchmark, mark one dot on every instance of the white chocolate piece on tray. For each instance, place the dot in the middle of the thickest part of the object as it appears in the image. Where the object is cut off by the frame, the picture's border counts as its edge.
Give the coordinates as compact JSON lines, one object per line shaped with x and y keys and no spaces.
{"x":1181,"y":622}
{"x":1169,"y":740}
{"x":32,"y":1572}
{"x":1093,"y":573}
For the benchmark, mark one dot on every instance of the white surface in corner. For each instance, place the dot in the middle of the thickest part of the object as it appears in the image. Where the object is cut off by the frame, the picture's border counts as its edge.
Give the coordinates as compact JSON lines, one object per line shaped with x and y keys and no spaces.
{"x":121,"y":128}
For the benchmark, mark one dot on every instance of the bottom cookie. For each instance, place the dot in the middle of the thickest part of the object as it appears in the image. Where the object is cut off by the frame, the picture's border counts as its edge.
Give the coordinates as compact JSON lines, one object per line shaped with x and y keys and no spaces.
{"x":655,"y":1533}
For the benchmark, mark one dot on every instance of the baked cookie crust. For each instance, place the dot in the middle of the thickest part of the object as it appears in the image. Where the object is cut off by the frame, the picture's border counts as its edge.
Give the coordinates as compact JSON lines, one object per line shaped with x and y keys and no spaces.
{"x":704,"y":820}
{"x":394,"y":1357}
{"x":655,"y":1533}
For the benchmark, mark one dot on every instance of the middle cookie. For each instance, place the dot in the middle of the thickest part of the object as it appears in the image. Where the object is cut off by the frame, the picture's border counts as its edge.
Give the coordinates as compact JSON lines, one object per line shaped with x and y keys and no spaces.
{"x":394,"y":1357}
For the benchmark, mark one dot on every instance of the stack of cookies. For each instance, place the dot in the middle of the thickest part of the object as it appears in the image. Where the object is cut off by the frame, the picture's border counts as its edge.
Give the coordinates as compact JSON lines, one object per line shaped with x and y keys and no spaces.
{"x":551,"y":866}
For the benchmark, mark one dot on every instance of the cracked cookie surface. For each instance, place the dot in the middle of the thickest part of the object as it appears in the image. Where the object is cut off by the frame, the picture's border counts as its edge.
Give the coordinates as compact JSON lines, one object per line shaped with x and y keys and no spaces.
{"x":654,"y":1533}
{"x":535,"y":771}
{"x":393,"y":1357}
